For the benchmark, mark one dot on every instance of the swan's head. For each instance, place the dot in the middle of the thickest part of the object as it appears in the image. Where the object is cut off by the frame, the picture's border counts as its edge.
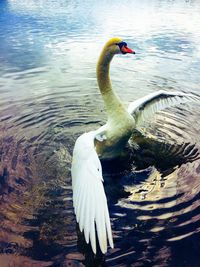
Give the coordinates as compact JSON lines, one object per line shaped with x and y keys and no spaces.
{"x":118,"y":46}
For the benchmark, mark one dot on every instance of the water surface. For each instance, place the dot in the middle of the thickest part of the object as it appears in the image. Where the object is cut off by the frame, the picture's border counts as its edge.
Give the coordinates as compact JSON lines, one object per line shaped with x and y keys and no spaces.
{"x":49,"y":96}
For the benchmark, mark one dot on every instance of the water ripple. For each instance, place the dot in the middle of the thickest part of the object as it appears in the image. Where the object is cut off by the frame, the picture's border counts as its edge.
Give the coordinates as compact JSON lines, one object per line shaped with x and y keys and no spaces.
{"x":49,"y":96}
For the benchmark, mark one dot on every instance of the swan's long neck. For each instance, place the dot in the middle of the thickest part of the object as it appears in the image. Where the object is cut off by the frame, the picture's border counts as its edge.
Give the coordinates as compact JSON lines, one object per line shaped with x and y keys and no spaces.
{"x":120,"y":123}
{"x":111,"y":100}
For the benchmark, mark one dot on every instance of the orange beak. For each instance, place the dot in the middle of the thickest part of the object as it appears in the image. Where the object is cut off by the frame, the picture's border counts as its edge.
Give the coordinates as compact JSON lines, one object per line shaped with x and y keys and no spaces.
{"x":126,"y":49}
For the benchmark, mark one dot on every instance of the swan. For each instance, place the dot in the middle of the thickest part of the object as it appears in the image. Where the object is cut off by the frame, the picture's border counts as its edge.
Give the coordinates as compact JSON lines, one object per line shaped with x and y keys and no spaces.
{"x":107,"y":142}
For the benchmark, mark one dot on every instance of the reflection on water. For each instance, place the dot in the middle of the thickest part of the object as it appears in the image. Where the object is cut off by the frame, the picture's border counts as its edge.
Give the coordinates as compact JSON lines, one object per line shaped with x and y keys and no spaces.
{"x":49,"y":96}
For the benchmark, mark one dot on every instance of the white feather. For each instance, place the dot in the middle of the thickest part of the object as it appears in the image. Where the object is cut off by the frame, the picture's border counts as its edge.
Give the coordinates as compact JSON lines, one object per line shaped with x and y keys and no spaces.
{"x":143,"y":108}
{"x":89,"y":198}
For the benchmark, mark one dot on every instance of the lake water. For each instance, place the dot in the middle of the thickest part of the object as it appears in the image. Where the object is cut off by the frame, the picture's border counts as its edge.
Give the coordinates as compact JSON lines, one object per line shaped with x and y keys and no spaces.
{"x":49,"y":96}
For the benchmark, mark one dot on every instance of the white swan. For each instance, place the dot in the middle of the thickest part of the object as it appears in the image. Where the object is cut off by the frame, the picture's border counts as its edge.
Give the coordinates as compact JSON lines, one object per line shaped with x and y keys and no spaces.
{"x":108,"y":141}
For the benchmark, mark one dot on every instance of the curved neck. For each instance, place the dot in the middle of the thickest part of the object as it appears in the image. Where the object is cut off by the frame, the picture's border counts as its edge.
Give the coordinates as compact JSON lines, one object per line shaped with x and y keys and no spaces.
{"x":120,"y":123}
{"x":103,"y":72}
{"x":111,"y":100}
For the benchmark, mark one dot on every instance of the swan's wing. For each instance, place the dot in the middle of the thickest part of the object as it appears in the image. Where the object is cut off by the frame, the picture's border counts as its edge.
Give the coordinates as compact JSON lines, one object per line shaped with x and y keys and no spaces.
{"x":145,"y":107}
{"x":89,"y":198}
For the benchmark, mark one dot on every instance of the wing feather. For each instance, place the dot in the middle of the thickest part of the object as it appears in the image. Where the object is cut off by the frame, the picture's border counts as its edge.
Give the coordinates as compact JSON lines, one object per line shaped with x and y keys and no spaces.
{"x":87,"y":220}
{"x":89,"y":199}
{"x":145,"y":107}
{"x":91,"y":227}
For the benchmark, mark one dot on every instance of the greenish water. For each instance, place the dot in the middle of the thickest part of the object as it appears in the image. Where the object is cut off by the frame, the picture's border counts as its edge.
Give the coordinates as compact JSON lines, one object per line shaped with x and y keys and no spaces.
{"x":49,"y":96}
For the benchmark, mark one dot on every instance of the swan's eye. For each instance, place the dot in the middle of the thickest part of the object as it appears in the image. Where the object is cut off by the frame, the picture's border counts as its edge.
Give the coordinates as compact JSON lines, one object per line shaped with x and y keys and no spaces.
{"x":121,"y":44}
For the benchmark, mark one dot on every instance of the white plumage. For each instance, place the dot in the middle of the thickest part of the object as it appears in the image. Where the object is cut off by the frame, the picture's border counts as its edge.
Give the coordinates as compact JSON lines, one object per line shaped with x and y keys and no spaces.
{"x":89,"y":198}
{"x":145,"y":107}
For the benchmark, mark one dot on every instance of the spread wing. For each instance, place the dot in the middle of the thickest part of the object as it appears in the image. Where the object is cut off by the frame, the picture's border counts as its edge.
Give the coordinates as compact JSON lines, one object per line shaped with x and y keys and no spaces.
{"x":89,"y":198}
{"x":145,"y":107}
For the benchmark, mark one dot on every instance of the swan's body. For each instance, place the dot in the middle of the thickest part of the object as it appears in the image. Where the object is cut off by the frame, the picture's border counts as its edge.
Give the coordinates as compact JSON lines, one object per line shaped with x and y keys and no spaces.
{"x":107,"y":142}
{"x":118,"y":128}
